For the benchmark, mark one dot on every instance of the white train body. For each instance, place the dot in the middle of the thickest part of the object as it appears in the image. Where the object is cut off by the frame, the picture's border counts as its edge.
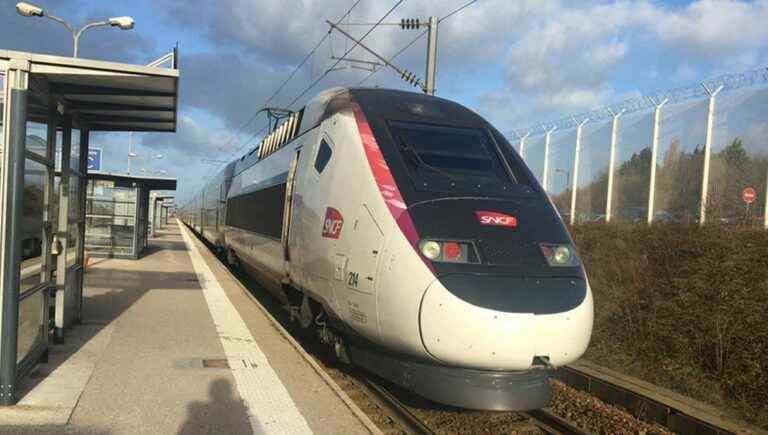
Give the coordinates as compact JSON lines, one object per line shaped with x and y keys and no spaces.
{"x":347,"y":208}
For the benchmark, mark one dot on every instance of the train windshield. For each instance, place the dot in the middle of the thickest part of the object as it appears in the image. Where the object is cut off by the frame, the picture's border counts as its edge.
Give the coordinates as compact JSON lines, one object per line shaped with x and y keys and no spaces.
{"x":439,"y":156}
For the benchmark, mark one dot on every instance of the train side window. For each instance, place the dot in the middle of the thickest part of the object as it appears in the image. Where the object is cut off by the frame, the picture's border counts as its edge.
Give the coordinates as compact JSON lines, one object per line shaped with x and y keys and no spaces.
{"x":323,"y":156}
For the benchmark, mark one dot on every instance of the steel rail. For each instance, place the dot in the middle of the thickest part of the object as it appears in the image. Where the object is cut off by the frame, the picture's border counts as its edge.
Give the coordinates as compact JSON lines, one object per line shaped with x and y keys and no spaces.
{"x":409,"y":422}
{"x":552,"y":423}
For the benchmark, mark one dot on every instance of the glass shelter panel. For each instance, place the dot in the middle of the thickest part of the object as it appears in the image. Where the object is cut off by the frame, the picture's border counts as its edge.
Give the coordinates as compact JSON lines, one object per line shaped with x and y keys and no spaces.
{"x":31,"y":327}
{"x":33,"y":281}
{"x":560,"y":168}
{"x":2,"y":106}
{"x":74,"y":190}
{"x":32,"y":224}
{"x":74,"y":159}
{"x":739,"y":158}
{"x":592,"y":191}
{"x":37,"y":136}
{"x":680,"y":162}
{"x":110,"y":218}
{"x":632,"y":168}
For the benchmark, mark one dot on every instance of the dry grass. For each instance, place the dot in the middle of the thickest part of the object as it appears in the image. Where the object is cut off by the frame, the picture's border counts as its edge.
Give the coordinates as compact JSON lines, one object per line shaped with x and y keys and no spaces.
{"x":683,"y":307}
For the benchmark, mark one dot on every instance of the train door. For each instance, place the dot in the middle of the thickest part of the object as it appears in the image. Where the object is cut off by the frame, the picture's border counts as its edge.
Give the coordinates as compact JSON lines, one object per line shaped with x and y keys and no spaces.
{"x":367,"y":239}
{"x":357,"y":288}
{"x":288,"y":210}
{"x":309,"y":244}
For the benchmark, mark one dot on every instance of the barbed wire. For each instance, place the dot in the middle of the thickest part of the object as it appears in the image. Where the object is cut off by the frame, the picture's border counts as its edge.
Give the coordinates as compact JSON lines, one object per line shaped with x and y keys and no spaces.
{"x":329,"y":70}
{"x":648,"y":102}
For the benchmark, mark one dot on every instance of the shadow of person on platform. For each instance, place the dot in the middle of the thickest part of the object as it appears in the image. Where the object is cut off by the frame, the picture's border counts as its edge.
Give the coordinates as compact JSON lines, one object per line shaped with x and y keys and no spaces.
{"x":223,"y":413}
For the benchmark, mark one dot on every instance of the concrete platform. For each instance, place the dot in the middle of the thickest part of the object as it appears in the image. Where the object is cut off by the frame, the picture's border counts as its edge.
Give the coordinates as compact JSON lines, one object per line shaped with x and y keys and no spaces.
{"x":171,"y":343}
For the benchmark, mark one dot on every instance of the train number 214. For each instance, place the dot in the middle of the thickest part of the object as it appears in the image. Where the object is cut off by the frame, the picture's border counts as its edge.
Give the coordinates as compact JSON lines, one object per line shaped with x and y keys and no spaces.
{"x":352,"y":279}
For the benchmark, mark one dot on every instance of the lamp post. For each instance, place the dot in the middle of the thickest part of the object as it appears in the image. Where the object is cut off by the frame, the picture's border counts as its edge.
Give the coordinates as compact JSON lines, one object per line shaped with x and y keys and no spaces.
{"x":30,"y":10}
{"x":144,"y":160}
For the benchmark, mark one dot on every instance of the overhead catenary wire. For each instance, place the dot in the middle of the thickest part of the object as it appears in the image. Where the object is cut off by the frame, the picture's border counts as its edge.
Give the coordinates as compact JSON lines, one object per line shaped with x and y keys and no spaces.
{"x":277,"y":92}
{"x":327,"y":71}
{"x":459,"y":9}
{"x":419,"y":36}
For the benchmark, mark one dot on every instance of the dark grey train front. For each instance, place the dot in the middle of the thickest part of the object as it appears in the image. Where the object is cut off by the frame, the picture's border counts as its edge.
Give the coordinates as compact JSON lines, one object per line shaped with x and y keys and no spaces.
{"x":410,"y":234}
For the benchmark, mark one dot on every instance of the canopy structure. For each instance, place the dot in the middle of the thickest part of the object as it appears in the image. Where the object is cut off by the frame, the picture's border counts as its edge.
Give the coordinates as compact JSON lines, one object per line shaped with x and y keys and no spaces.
{"x":106,"y":96}
{"x":49,"y":105}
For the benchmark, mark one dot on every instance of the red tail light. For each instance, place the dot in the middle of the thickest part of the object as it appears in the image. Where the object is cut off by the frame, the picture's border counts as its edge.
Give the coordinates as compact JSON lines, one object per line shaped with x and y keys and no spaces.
{"x":449,"y":251}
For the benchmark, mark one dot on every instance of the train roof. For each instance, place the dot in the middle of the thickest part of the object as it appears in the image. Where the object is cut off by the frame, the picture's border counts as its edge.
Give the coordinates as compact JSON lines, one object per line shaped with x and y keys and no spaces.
{"x":337,"y":99}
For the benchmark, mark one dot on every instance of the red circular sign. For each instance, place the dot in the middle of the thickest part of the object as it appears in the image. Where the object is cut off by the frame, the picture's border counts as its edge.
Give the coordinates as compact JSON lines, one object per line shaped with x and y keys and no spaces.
{"x":748,"y":195}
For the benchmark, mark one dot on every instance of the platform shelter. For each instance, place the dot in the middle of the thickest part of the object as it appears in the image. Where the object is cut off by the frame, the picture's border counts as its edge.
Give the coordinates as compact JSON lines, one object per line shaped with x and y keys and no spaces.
{"x":49,"y":105}
{"x":158,"y":211}
{"x":121,"y":213}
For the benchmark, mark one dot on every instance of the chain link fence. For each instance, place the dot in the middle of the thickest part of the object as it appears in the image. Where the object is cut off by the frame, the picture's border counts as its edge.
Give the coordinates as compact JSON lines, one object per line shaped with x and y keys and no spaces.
{"x":695,"y":155}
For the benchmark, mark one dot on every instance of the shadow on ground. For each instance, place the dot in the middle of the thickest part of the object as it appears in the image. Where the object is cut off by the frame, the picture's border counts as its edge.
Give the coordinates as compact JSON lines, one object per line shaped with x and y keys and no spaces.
{"x":223,"y":408}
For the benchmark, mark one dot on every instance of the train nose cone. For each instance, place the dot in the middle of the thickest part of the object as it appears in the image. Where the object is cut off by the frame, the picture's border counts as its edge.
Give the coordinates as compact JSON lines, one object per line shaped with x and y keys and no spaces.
{"x":457,"y":332}
{"x":488,"y":322}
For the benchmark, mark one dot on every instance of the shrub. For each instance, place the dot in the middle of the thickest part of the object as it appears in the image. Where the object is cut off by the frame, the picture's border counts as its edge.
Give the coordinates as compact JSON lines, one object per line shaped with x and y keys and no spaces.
{"x":683,"y":307}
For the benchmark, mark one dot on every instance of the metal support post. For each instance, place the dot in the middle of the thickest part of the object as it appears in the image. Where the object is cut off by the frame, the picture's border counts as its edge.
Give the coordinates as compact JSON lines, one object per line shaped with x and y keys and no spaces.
{"x":545,"y":176}
{"x":130,"y":151}
{"x":707,"y":153}
{"x":765,"y":200}
{"x":654,"y":154}
{"x":49,"y":194}
{"x":85,"y":138}
{"x":522,"y":144}
{"x":62,"y":278}
{"x":429,"y":87}
{"x":13,"y":196}
{"x":612,"y":163}
{"x":575,"y":179}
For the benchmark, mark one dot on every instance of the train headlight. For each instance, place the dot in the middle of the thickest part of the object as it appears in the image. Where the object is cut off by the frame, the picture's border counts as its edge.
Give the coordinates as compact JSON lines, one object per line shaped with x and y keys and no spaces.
{"x":559,"y":255}
{"x":431,"y":250}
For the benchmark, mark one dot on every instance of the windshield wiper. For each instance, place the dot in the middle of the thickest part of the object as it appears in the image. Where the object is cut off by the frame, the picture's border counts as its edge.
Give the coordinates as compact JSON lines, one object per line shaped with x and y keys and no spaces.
{"x":419,"y":162}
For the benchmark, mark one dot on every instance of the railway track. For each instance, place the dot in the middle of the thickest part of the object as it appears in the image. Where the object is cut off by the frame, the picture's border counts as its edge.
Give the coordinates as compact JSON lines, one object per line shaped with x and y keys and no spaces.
{"x":552,"y":423}
{"x":543,"y":419}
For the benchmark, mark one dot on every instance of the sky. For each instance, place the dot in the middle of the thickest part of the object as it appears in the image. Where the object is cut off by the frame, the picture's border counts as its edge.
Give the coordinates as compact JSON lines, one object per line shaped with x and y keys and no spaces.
{"x":517,"y":63}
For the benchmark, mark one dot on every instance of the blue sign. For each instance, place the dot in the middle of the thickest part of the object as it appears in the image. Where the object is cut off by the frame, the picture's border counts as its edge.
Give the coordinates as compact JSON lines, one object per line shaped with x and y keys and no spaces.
{"x":94,"y":159}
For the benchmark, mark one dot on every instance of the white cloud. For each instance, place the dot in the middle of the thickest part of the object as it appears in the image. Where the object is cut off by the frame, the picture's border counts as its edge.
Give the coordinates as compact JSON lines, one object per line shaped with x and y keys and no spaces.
{"x":714,"y":27}
{"x":569,"y":59}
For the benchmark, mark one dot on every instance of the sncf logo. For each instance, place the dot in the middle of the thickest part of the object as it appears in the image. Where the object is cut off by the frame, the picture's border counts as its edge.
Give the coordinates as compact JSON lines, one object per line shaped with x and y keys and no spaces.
{"x":332,"y":223}
{"x":496,"y":219}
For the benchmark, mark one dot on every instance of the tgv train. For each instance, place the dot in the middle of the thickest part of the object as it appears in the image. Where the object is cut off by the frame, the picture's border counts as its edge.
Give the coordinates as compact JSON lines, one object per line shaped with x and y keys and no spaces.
{"x":410,"y":234}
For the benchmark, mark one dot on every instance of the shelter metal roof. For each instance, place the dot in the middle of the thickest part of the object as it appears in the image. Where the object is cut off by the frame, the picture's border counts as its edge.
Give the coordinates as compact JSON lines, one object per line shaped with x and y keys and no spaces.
{"x":105,"y":96}
{"x":125,"y":180}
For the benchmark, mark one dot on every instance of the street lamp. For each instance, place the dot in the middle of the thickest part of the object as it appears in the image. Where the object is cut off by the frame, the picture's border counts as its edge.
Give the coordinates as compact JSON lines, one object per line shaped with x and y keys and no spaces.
{"x":30,"y":10}
{"x":144,"y":160}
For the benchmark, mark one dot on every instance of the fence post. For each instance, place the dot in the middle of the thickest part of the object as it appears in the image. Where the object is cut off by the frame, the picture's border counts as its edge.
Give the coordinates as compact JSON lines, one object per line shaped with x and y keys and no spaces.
{"x":654,"y":152}
{"x":707,"y":152}
{"x":575,"y":179}
{"x":612,"y":162}
{"x":521,"y":146}
{"x":765,"y":200}
{"x":545,"y":176}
